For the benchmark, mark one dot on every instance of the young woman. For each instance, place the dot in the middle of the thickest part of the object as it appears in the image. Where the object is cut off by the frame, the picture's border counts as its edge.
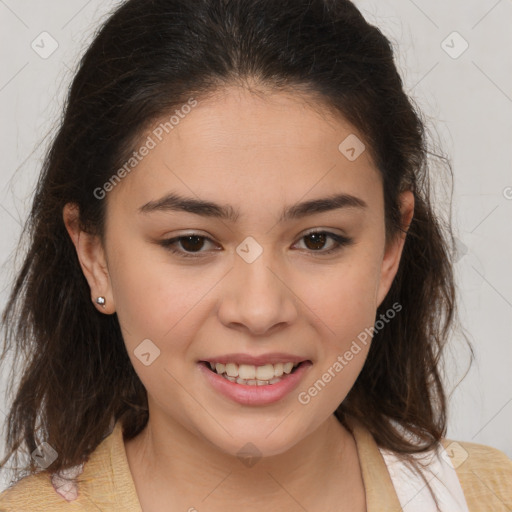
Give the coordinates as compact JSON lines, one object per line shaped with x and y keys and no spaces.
{"x":236,"y":292}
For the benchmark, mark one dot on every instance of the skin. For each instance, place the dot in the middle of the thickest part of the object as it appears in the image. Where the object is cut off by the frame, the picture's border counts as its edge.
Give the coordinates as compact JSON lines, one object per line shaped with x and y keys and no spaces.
{"x":258,"y":154}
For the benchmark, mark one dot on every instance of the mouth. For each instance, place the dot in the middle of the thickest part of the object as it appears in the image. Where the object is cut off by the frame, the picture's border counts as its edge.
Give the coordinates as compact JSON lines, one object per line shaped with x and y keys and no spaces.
{"x":252,"y":375}
{"x":259,"y":384}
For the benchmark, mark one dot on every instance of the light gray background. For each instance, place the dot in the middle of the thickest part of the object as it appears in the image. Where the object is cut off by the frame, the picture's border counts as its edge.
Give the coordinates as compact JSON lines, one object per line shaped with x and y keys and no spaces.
{"x":468,"y":104}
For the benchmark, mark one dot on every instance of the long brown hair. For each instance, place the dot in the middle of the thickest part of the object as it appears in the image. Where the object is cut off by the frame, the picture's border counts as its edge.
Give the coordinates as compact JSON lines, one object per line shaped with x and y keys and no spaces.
{"x":149,"y":57}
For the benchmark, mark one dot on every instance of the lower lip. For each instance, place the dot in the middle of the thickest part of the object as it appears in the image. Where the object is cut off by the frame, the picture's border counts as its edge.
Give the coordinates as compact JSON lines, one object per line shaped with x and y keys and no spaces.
{"x":256,"y":395}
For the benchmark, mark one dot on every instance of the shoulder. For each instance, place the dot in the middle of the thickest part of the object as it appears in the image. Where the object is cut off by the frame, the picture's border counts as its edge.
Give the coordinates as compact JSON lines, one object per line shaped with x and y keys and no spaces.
{"x":31,"y":493}
{"x":66,"y":490}
{"x":484,"y":472}
{"x":102,"y":482}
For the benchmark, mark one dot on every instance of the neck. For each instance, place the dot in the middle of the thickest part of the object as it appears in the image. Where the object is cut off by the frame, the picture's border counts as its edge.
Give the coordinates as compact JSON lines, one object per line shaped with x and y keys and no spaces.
{"x":167,"y":457}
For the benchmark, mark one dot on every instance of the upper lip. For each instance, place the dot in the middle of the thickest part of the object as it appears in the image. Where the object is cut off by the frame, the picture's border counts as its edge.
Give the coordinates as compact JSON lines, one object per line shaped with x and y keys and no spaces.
{"x":271,"y":358}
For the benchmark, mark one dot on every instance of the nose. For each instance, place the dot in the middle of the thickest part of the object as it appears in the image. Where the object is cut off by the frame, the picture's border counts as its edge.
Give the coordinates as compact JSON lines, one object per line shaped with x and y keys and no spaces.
{"x":257,"y":298}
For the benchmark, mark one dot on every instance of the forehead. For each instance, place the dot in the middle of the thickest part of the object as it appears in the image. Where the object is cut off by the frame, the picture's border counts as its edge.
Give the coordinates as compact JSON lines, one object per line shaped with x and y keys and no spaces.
{"x":276,"y":146}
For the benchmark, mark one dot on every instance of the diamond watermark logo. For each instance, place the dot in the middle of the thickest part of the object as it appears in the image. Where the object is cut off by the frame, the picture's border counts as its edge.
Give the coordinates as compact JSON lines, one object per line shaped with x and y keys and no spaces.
{"x":249,"y":250}
{"x":44,"y":45}
{"x":352,"y":147}
{"x":454,"y":45}
{"x":455,"y":454}
{"x":249,"y":455}
{"x":146,"y":352}
{"x":44,"y":455}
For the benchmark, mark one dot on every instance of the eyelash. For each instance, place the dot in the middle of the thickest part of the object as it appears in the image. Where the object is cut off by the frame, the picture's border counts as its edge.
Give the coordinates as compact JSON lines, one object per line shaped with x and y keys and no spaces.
{"x":341,"y":241}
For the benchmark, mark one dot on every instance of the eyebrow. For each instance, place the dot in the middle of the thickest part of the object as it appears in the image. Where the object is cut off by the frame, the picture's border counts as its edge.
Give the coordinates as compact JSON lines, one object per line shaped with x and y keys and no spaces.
{"x":175,"y":202}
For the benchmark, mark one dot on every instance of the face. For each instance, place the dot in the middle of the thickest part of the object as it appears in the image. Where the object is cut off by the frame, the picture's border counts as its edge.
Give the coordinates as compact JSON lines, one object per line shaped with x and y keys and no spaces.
{"x":253,"y":286}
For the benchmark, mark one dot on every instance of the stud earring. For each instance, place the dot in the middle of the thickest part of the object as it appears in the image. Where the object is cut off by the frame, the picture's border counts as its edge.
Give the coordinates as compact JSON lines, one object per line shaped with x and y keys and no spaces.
{"x":101,"y":301}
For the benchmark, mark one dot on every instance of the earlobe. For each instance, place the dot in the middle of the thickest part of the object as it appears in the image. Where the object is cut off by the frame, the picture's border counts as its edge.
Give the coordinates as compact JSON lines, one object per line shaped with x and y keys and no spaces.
{"x":393,"y":252}
{"x":91,"y":257}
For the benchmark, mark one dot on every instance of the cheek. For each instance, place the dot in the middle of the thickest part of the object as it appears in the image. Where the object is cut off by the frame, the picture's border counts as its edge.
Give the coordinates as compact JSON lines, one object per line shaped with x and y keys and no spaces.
{"x":157,"y":305}
{"x":151,"y":294}
{"x":344,"y":315}
{"x":343,"y":297}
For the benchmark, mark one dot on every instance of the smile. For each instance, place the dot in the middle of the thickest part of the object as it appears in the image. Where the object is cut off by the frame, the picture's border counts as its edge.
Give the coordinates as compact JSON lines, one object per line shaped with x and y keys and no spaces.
{"x":252,"y":375}
{"x":254,"y":384}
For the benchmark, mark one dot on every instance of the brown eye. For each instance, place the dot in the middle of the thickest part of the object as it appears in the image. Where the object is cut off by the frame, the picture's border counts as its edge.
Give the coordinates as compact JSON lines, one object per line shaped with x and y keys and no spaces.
{"x":192,"y":243}
{"x":316,"y":240}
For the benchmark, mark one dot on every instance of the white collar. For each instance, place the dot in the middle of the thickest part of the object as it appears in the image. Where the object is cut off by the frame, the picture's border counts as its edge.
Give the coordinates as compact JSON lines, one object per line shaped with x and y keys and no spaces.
{"x":414,"y":495}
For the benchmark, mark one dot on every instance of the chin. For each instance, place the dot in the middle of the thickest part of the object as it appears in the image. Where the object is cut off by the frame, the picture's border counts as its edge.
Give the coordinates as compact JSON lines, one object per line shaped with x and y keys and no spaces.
{"x":270,"y":439}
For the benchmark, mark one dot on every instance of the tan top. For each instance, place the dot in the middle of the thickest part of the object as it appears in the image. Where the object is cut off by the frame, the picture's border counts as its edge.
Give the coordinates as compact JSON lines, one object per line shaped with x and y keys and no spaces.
{"x":106,"y":483}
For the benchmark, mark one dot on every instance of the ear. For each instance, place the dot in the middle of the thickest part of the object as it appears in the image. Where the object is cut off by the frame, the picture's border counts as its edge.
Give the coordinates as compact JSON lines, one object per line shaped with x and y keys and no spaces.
{"x":92,"y":259}
{"x":393,"y":251}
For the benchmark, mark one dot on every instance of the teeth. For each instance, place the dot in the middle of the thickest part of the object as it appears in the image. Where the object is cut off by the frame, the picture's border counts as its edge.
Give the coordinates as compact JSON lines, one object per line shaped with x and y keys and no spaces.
{"x":252,"y":382}
{"x":253,"y":375}
{"x":246,"y":371}
{"x":265,"y":372}
{"x":231,"y":369}
{"x":287,"y":367}
{"x":278,"y":369}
